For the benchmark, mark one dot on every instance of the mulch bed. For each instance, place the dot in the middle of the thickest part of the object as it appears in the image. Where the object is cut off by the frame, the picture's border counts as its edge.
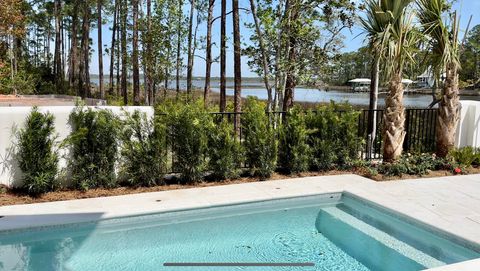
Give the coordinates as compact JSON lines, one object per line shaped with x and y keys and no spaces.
{"x":12,"y":197}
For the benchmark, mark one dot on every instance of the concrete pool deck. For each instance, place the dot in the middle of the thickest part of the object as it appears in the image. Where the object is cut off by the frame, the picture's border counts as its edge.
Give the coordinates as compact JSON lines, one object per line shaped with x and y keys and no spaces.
{"x":451,"y":204}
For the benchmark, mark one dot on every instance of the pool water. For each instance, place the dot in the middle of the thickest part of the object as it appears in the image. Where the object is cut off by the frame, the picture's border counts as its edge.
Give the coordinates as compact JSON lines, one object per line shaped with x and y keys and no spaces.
{"x":333,"y":232}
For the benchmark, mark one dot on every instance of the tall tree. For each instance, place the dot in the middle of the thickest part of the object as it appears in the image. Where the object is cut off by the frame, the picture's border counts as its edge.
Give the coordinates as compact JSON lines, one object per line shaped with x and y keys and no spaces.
{"x":58,"y":67}
{"x":223,"y":57}
{"x":444,"y":56}
{"x":113,"y":46}
{"x":149,"y":56}
{"x":179,"y":45}
{"x":190,"y":48}
{"x":74,"y":57}
{"x":84,"y":82}
{"x":264,"y":54}
{"x":208,"y":57}
{"x":135,"y":62}
{"x":100,"y":49}
{"x":123,"y":15}
{"x":374,"y":24}
{"x":237,"y":66}
{"x":402,"y":42}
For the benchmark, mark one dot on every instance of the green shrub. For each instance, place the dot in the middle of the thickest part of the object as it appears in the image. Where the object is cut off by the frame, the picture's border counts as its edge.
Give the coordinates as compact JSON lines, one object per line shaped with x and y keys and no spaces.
{"x":333,"y":136}
{"x":417,"y":164}
{"x":294,"y":152}
{"x":259,"y":139}
{"x":36,"y":154}
{"x":187,"y":134}
{"x":144,"y":153}
{"x":224,"y":151}
{"x":94,"y":147}
{"x":466,"y":156}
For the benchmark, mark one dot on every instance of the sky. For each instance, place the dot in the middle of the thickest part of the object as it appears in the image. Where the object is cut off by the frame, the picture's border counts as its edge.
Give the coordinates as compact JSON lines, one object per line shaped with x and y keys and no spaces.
{"x":354,"y":38}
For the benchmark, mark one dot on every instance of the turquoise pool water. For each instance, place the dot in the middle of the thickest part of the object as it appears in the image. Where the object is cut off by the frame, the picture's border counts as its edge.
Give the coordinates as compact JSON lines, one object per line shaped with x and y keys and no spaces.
{"x":333,"y":232}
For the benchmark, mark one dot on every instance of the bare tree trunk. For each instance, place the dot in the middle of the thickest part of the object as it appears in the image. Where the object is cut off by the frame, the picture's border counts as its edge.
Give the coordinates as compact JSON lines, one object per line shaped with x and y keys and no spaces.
{"x":190,"y":48}
{"x":124,"y":13}
{"x":148,"y":77}
{"x":237,"y":66}
{"x":57,"y":69}
{"x":394,"y":120}
{"x":135,"y":66}
{"x":72,"y":77}
{"x":179,"y":44}
{"x":208,"y":58}
{"x":100,"y":49}
{"x":263,"y":50}
{"x":372,"y":115}
{"x":223,"y":57}
{"x":112,"y":48}
{"x":290,"y":81}
{"x":448,"y":113}
{"x":84,"y":64}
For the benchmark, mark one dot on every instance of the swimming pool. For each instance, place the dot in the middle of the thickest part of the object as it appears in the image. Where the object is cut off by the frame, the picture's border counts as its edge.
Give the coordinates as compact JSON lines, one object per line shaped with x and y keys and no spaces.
{"x":324,"y":232}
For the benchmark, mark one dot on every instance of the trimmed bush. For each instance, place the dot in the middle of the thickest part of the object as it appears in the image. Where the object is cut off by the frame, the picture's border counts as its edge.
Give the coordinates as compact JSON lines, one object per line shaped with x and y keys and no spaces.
{"x":259,"y":139}
{"x":187,"y":134}
{"x":36,"y":154}
{"x":466,"y":156}
{"x":294,"y":152}
{"x":143,"y":152}
{"x":94,"y":148}
{"x":224,"y":151}
{"x":333,"y":136}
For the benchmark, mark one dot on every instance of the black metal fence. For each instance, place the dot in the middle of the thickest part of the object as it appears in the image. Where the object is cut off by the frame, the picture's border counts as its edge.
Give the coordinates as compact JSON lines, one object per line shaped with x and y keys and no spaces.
{"x":420,"y":125}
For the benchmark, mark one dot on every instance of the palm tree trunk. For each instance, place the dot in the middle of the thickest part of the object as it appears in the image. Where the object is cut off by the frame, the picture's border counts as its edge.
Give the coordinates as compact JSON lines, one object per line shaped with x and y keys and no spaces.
{"x":223,"y":57}
{"x":237,"y":66}
{"x":448,"y":113}
{"x":394,"y":120}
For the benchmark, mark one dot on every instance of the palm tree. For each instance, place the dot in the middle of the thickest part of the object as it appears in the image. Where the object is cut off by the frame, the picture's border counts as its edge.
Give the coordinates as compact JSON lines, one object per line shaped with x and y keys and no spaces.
{"x":400,"y":42}
{"x":374,"y":24}
{"x":444,"y":56}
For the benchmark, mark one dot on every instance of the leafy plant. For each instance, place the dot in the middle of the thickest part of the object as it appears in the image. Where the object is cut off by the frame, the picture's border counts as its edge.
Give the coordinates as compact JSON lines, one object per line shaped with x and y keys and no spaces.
{"x":466,"y":156}
{"x":417,"y":164}
{"x":260,"y":140}
{"x":94,"y":144}
{"x":144,"y":153}
{"x":224,"y":151}
{"x":294,"y":152}
{"x":333,"y":136}
{"x":36,"y":154}
{"x":187,"y":134}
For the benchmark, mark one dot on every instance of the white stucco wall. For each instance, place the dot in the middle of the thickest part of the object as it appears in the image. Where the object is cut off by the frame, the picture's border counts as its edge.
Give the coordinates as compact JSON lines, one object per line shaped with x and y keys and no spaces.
{"x":12,"y":118}
{"x":468,"y":131}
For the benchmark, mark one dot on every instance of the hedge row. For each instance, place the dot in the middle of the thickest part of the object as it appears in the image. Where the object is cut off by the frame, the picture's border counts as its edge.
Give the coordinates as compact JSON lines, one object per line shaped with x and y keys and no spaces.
{"x":108,"y":151}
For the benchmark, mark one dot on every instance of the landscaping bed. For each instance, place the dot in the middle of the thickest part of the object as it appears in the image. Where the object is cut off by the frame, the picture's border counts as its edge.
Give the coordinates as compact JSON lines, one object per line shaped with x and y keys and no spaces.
{"x":13,"y":197}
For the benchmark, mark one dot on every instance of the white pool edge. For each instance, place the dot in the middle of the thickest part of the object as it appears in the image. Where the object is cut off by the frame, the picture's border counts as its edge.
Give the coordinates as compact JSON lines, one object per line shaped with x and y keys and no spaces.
{"x":88,"y":210}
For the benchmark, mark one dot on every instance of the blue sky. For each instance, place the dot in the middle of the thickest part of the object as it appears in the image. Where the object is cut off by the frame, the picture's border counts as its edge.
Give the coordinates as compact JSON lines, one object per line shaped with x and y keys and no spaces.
{"x":353,"y":38}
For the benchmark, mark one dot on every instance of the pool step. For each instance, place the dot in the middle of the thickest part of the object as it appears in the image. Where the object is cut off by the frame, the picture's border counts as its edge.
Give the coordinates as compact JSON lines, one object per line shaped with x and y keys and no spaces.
{"x":372,"y":247}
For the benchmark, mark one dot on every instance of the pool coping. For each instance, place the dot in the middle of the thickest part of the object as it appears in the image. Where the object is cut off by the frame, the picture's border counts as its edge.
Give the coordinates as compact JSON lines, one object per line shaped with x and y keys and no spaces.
{"x":410,"y":198}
